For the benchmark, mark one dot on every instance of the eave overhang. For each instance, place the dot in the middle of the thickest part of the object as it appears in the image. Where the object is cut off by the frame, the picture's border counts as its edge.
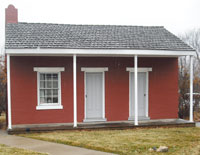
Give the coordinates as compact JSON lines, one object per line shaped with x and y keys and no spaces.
{"x":98,"y":52}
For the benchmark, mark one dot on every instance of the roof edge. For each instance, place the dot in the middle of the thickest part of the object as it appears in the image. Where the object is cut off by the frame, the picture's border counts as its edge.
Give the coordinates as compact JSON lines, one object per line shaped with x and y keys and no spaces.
{"x":103,"y":52}
{"x":89,"y":24}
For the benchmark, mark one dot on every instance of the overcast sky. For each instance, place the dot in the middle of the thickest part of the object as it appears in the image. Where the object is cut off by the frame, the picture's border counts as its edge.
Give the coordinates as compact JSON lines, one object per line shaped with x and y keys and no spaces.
{"x":178,"y":16}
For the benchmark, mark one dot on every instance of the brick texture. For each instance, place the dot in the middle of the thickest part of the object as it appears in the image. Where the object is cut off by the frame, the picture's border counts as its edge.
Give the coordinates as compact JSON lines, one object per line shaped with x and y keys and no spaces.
{"x":11,"y":14}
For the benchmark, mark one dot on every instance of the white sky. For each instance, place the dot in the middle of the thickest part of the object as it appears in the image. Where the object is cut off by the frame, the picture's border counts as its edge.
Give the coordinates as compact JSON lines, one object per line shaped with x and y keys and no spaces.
{"x":178,"y":16}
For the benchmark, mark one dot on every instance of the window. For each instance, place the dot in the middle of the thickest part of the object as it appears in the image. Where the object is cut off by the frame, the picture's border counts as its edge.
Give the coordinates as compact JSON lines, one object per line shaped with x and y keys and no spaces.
{"x":49,"y":87}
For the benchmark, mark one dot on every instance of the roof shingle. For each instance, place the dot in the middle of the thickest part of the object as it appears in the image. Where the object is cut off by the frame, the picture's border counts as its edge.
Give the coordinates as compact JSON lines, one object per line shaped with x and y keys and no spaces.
{"x":65,"y":36}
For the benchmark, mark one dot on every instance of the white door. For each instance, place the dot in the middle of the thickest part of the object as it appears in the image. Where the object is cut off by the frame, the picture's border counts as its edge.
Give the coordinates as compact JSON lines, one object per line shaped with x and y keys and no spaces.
{"x":142,"y":90}
{"x":94,"y":96}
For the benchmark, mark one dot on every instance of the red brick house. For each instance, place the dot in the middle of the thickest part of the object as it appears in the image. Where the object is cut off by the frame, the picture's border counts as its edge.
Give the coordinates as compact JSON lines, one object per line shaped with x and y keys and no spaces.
{"x":70,"y":74}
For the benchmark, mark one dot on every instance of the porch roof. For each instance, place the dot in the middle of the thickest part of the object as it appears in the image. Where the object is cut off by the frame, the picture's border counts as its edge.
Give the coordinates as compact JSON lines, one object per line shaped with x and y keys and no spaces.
{"x":65,"y":36}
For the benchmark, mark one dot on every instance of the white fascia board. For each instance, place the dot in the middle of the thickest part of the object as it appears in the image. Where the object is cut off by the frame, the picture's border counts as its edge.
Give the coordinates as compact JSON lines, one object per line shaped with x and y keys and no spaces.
{"x":94,"y":52}
{"x":49,"y":69}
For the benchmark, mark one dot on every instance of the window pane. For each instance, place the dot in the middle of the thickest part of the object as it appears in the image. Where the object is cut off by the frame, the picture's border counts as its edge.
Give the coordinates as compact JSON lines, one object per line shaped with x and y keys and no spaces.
{"x":48,"y":76}
{"x":42,"y":100}
{"x":45,"y":92}
{"x":55,"y":100}
{"x":55,"y":84}
{"x":55,"y":92}
{"x":42,"y":76}
{"x":55,"y":76}
{"x":42,"y":93}
{"x":42,"y":84}
{"x":49,"y":84}
{"x":49,"y":100}
{"x":49,"y":92}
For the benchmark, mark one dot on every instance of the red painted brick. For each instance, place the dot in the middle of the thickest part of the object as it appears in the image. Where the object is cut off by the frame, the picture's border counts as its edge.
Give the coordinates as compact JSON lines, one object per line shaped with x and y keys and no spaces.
{"x":11,"y":14}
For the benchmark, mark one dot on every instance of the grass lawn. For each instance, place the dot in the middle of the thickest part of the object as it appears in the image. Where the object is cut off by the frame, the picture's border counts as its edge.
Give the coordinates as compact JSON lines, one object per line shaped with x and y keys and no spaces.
{"x":6,"y":150}
{"x":132,"y":141}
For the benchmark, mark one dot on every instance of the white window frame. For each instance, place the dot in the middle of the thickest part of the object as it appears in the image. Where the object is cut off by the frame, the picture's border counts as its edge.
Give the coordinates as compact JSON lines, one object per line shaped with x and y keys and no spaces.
{"x":94,"y":70}
{"x":144,"y":70}
{"x":52,"y":70}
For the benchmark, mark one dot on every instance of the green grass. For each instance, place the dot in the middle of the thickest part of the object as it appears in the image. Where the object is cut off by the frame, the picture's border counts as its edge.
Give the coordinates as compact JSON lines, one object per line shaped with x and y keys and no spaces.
{"x":6,"y":150}
{"x":132,"y":141}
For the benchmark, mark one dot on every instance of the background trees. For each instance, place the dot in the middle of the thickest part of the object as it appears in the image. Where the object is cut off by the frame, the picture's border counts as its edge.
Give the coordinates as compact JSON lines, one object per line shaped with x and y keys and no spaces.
{"x":3,"y":85}
{"x":192,"y":38}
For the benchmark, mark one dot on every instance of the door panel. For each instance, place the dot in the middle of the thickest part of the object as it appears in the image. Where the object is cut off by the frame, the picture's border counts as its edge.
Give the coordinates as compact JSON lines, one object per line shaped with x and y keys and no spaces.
{"x":94,"y":95}
{"x":141,"y":94}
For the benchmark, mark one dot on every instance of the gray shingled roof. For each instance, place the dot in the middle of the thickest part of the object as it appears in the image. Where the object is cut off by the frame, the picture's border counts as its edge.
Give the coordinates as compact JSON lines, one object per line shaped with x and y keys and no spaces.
{"x":64,"y":36}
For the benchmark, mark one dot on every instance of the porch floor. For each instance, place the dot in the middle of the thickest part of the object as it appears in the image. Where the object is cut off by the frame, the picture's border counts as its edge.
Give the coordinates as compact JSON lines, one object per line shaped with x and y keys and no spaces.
{"x":130,"y":124}
{"x":101,"y":125}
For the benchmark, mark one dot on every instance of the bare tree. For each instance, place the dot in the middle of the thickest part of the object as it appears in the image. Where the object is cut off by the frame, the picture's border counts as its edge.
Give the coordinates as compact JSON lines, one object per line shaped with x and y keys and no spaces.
{"x":3,"y":84}
{"x":192,"y":38}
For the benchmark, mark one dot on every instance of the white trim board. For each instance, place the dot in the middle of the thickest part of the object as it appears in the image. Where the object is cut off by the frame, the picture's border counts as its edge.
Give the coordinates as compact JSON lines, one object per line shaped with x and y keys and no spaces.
{"x":94,"y":52}
{"x":139,"y":69}
{"x":94,"y":69}
{"x":48,"y":107}
{"x":48,"y":69}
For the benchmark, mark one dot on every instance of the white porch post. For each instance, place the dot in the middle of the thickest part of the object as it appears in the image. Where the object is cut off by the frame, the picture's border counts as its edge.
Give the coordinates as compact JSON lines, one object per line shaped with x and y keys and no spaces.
{"x":136,"y":89}
{"x":75,"y":92}
{"x":191,"y":88}
{"x":9,"y":92}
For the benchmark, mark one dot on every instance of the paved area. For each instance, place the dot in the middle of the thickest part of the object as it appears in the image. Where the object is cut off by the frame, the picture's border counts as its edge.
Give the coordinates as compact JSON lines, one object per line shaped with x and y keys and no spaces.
{"x":45,"y":147}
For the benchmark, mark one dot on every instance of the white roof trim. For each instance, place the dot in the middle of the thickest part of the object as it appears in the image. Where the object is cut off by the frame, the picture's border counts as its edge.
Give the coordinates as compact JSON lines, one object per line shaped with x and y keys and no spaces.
{"x":103,"y":52}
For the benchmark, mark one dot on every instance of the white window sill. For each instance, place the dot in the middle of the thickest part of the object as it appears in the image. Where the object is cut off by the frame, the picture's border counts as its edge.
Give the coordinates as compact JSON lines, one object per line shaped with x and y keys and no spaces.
{"x":48,"y":107}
